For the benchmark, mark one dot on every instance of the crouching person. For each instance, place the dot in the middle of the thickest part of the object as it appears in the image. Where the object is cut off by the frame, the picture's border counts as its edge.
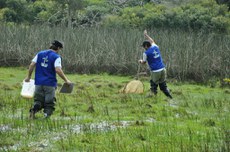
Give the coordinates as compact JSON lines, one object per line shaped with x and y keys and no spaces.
{"x":47,"y":63}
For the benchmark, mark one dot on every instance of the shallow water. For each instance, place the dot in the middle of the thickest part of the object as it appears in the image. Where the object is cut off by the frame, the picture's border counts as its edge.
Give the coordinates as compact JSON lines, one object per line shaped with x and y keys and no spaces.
{"x":75,"y":128}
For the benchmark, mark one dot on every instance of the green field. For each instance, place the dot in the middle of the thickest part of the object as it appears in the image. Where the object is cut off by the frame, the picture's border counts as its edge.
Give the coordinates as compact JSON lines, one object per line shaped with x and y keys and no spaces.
{"x":95,"y":117}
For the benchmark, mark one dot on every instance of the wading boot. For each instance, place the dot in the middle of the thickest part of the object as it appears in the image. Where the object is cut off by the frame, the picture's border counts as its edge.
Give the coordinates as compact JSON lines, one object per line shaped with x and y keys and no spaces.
{"x":153,"y":89}
{"x":32,"y":114}
{"x":165,"y":90}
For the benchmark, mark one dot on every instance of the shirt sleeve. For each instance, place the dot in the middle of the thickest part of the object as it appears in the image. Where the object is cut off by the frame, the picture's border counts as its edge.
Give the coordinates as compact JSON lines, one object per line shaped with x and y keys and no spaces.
{"x":35,"y":59}
{"x":57,"y":62}
{"x":153,"y":44}
{"x":144,"y":57}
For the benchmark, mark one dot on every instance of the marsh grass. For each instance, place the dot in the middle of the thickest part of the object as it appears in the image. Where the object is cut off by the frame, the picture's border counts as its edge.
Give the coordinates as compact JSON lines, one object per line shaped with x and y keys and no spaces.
{"x":197,"y":119}
{"x":190,"y":55}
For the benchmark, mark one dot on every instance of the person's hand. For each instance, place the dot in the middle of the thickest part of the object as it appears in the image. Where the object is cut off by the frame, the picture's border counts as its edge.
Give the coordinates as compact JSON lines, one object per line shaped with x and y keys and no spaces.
{"x":68,"y":82}
{"x":142,"y":61}
{"x":27,"y":79}
{"x":145,"y":32}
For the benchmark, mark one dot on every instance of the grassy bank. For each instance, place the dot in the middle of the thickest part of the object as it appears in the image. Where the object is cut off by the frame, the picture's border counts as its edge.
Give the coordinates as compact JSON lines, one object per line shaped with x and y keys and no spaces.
{"x":95,"y":117}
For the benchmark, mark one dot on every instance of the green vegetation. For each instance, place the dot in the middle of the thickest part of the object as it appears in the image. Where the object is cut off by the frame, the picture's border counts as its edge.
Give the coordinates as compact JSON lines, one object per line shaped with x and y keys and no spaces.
{"x":207,"y":15}
{"x":194,"y":15}
{"x":197,"y":56}
{"x":103,"y":37}
{"x":95,"y":117}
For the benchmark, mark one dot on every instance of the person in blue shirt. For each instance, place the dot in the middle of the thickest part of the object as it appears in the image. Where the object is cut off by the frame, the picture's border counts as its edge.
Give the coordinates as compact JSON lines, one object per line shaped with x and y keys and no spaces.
{"x":152,"y":56}
{"x":47,"y":63}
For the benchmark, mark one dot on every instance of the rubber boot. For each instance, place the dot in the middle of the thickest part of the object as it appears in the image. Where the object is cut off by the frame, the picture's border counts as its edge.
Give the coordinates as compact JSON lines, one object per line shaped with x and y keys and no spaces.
{"x":33,"y":110}
{"x":36,"y":107}
{"x":164,"y":89}
{"x":153,"y":87}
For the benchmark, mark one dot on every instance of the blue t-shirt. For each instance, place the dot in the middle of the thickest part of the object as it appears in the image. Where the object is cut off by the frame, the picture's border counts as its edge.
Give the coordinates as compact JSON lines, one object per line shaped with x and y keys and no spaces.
{"x":154,"y":58}
{"x":45,"y":73}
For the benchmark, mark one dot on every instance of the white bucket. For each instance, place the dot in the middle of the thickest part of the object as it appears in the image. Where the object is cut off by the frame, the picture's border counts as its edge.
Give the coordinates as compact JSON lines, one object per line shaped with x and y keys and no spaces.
{"x":28,"y":89}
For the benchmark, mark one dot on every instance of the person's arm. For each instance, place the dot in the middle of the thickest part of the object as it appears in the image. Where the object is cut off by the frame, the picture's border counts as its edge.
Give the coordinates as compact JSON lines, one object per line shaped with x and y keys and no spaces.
{"x":62,"y":75}
{"x":58,"y":69}
{"x":143,"y":61}
{"x":30,"y":71}
{"x":148,"y":37}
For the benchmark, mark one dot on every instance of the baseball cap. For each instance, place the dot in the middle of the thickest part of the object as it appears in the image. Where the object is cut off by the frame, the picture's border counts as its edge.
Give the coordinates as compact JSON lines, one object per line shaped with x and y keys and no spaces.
{"x":146,"y":43}
{"x":57,"y":43}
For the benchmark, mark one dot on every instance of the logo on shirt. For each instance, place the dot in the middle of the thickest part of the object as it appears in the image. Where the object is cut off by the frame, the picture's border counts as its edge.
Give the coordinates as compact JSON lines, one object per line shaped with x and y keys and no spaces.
{"x":155,"y":54}
{"x":45,"y":61}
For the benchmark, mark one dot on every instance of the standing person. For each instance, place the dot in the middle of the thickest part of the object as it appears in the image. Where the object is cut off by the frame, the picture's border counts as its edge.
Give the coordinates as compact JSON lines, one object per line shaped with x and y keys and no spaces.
{"x":47,"y":63}
{"x":153,"y":57}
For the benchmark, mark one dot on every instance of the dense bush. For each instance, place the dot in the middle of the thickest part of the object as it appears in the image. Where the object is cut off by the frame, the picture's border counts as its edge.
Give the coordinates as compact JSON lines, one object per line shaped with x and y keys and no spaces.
{"x":199,"y":16}
{"x":205,"y":15}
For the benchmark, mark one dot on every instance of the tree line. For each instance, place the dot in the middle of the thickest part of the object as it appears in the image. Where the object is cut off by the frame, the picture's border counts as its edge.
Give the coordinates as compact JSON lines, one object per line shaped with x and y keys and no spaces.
{"x":211,"y":15}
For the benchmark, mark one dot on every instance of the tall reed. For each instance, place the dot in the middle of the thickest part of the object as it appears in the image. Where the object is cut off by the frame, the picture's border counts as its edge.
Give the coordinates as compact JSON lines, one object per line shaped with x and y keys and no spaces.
{"x":188,"y":55}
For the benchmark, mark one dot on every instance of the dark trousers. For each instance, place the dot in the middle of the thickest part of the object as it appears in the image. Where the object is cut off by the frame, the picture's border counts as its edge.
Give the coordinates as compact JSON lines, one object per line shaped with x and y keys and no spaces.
{"x":44,"y":98}
{"x":163,"y":88}
{"x":159,"y":80}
